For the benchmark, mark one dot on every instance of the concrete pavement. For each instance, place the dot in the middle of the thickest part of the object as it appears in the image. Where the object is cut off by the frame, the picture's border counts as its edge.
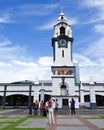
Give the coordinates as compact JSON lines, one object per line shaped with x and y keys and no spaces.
{"x":63,"y":122}
{"x":66,"y":122}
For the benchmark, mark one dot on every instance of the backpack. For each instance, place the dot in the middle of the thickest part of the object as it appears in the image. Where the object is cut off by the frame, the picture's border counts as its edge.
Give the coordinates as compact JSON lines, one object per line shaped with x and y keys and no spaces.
{"x":50,"y":103}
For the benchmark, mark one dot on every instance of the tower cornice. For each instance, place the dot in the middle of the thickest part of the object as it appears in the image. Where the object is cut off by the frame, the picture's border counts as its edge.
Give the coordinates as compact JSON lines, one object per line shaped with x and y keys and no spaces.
{"x":61,"y":36}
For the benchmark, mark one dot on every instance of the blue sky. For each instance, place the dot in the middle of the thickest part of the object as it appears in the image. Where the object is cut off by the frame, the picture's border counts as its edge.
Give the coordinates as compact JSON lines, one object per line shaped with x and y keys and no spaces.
{"x":26,"y":29}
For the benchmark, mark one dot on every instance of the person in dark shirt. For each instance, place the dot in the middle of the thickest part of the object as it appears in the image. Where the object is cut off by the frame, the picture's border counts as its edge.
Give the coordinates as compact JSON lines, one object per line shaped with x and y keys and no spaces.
{"x":72,"y":107}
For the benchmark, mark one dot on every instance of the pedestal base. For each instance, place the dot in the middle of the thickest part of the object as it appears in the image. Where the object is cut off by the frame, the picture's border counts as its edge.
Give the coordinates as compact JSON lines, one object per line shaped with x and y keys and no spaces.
{"x":64,"y":101}
{"x":93,"y":106}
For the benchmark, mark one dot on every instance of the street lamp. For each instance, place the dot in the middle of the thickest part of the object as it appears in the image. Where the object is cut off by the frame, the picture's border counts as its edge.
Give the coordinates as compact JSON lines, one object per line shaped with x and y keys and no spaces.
{"x":63,"y":80}
{"x":92,"y":95}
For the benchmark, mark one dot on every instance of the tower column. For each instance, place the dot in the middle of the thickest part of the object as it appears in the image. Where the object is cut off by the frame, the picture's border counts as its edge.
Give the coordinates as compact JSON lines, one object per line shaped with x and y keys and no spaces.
{"x":4,"y":97}
{"x":30,"y":88}
{"x":92,"y":97}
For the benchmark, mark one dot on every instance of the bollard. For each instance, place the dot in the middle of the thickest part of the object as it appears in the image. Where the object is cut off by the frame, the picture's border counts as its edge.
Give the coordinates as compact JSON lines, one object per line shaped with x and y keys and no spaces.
{"x":30,"y":110}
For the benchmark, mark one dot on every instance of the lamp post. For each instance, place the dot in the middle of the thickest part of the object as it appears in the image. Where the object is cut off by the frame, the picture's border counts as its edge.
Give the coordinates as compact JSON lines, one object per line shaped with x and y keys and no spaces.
{"x":63,"y":80}
{"x":42,"y":92}
{"x":79,"y":91}
{"x":92,"y":95}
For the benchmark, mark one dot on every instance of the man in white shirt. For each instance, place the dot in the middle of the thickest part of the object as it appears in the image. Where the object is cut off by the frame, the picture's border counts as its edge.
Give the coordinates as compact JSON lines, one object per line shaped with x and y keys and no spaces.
{"x":51,"y":112}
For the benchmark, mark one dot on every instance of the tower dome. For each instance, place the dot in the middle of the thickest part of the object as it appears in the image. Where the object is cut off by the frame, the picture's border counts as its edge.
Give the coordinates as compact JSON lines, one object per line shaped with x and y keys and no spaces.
{"x":62,"y":26}
{"x":61,"y":18}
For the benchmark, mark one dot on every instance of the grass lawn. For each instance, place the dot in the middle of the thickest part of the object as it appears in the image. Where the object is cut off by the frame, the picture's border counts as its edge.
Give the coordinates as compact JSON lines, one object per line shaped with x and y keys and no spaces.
{"x":11,"y":122}
{"x":95,"y":117}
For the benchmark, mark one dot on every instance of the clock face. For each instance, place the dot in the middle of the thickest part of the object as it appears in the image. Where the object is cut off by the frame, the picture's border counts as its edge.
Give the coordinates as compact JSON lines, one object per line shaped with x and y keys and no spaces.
{"x":62,"y":42}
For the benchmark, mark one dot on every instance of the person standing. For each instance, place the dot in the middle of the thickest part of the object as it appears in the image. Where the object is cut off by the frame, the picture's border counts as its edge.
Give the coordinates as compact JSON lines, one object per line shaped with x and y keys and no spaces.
{"x":56,"y":106}
{"x":41,"y":108}
{"x":51,"y":112}
{"x":67,"y":93}
{"x":30,"y":109}
{"x":72,"y":107}
{"x":44,"y":109}
{"x":35,"y":107}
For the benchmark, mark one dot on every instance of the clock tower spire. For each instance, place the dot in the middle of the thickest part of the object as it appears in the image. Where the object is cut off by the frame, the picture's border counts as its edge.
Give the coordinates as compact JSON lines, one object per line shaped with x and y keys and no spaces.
{"x":62,"y":42}
{"x":63,"y":68}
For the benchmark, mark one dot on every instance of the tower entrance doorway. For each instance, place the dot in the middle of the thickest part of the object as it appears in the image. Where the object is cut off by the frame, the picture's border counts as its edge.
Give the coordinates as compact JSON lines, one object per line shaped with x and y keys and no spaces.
{"x":65,"y":105}
{"x":65,"y":102}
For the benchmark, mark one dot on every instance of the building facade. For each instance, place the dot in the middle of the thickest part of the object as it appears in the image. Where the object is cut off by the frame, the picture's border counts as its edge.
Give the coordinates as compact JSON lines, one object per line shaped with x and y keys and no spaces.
{"x":65,"y":83}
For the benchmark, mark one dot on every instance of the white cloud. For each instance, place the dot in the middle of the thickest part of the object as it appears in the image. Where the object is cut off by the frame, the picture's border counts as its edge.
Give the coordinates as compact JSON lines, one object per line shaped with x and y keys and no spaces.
{"x":91,"y":60}
{"x":36,"y":9}
{"x":4,"y":64}
{"x":97,"y":73}
{"x":14,"y":67}
{"x":73,"y":21}
{"x":95,"y":49}
{"x":18,"y":70}
{"x":23,"y":63}
{"x":83,"y":60}
{"x":97,"y":12}
{"x":47,"y":61}
{"x":9,"y":51}
{"x":5,"y":18}
{"x":51,"y":24}
{"x":89,"y":68}
{"x":99,"y":28}
{"x":47,"y":26}
{"x":94,"y":19}
{"x":93,"y":3}
{"x":4,"y":43}
{"x":19,"y":67}
{"x":19,"y":13}
{"x":93,"y":52}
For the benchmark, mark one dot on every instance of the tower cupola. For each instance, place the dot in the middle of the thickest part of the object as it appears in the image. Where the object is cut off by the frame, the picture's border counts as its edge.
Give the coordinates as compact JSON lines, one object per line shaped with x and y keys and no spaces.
{"x":62,"y":27}
{"x":61,"y":18}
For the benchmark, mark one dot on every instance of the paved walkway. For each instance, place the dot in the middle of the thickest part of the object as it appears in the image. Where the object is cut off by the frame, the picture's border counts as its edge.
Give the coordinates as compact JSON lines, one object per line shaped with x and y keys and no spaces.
{"x":63,"y":122}
{"x":66,"y":122}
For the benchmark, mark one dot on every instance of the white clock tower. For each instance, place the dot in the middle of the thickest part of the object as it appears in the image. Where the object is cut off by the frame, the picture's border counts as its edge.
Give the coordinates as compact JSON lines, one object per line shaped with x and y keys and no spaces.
{"x":63,"y":69}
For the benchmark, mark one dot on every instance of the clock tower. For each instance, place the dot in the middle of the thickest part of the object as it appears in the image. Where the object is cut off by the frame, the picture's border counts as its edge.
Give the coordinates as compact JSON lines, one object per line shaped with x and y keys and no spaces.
{"x":63,"y":69}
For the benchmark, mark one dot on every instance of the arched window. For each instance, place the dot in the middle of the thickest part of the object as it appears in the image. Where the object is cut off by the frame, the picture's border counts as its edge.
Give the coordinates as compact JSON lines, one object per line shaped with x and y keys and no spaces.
{"x":61,"y":17}
{"x":87,"y":98}
{"x":62,"y":30}
{"x":63,"y":90}
{"x":62,"y":53}
{"x":100,"y":100}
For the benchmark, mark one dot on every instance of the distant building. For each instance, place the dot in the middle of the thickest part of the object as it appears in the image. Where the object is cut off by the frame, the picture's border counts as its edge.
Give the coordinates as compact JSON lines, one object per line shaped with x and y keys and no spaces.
{"x":65,"y":83}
